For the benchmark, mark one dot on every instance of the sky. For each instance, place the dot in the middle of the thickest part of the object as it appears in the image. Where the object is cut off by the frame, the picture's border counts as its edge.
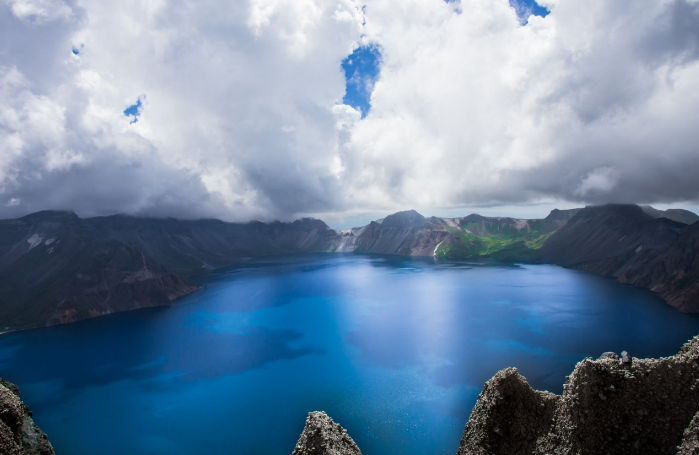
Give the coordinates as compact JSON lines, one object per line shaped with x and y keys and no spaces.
{"x":346,"y":110}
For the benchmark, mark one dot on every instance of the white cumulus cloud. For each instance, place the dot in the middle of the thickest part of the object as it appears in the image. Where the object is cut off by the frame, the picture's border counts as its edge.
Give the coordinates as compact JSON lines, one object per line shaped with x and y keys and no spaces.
{"x":242,"y":117}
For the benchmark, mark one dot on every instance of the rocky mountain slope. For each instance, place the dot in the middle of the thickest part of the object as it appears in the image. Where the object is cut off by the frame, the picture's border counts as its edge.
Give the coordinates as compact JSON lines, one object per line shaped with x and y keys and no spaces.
{"x":615,"y":405}
{"x":672,"y":271}
{"x":57,"y":268}
{"x":18,"y":433}
{"x":411,"y":234}
{"x":502,"y":238}
{"x":404,"y":233}
{"x":679,"y":215}
{"x":602,"y":238}
{"x":624,"y":242}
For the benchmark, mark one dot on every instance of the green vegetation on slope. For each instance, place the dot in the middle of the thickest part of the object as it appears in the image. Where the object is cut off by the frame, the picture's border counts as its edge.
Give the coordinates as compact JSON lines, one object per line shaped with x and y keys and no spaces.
{"x":507,"y":245}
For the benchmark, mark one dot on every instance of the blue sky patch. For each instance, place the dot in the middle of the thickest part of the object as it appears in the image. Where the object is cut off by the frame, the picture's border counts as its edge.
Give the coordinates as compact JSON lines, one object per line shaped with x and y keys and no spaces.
{"x":361,"y":69}
{"x":134,"y":111}
{"x":526,"y":8}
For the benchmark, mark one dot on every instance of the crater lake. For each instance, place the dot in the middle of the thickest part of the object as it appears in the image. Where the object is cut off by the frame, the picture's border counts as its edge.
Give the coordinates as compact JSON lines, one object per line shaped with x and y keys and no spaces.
{"x":394,"y":349}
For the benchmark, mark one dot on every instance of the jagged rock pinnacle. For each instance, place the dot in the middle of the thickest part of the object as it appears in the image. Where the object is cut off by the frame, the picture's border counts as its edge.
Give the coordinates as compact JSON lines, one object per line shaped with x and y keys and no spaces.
{"x":322,"y":436}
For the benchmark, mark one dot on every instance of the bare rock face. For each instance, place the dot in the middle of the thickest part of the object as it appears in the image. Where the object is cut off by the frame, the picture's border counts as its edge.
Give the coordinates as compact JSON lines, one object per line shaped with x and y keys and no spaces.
{"x":508,"y":417}
{"x":627,"y":243}
{"x":322,"y":436}
{"x":404,"y":233}
{"x":690,"y":441}
{"x":672,"y":272}
{"x":679,"y":215}
{"x":609,"y":405}
{"x":18,"y":433}
{"x":642,"y":406}
{"x":57,"y":268}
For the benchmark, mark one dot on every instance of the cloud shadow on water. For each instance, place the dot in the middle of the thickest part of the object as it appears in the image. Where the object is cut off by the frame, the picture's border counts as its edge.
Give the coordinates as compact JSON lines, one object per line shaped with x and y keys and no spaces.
{"x":140,"y":346}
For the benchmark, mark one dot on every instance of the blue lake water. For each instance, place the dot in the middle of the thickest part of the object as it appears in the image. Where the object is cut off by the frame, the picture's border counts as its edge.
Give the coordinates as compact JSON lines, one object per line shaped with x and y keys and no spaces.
{"x":394,"y":349}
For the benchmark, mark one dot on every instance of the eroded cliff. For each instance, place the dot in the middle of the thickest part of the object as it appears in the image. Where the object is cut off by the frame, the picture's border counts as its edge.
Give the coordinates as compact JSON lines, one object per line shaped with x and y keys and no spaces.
{"x":18,"y":433}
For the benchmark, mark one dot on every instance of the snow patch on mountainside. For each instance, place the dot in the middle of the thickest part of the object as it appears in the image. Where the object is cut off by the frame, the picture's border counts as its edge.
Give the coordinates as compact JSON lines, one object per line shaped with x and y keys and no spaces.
{"x":436,"y":248}
{"x":452,"y":222}
{"x":521,"y":224}
{"x":34,"y":240}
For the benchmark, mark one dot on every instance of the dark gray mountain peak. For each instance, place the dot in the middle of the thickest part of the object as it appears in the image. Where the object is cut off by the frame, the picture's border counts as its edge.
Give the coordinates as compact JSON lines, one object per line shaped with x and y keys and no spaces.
{"x":405,"y":218}
{"x":310,"y":222}
{"x":620,"y":210}
{"x":679,"y":215}
{"x":557,"y":214}
{"x":50,"y":215}
{"x":473,"y":217}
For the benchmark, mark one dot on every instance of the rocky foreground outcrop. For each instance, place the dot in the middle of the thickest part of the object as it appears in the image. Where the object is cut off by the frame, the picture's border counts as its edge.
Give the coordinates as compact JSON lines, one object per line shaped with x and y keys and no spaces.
{"x":322,"y":436}
{"x":612,"y":405}
{"x":609,"y":405}
{"x":18,"y":433}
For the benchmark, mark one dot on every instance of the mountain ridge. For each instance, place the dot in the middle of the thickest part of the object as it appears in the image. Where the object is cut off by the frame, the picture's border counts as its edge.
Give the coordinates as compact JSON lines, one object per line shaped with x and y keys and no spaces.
{"x":56,"y":267}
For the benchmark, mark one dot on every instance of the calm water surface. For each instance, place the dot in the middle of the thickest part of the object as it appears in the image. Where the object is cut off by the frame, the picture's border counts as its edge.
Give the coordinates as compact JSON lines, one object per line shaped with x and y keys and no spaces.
{"x":396,"y":350}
